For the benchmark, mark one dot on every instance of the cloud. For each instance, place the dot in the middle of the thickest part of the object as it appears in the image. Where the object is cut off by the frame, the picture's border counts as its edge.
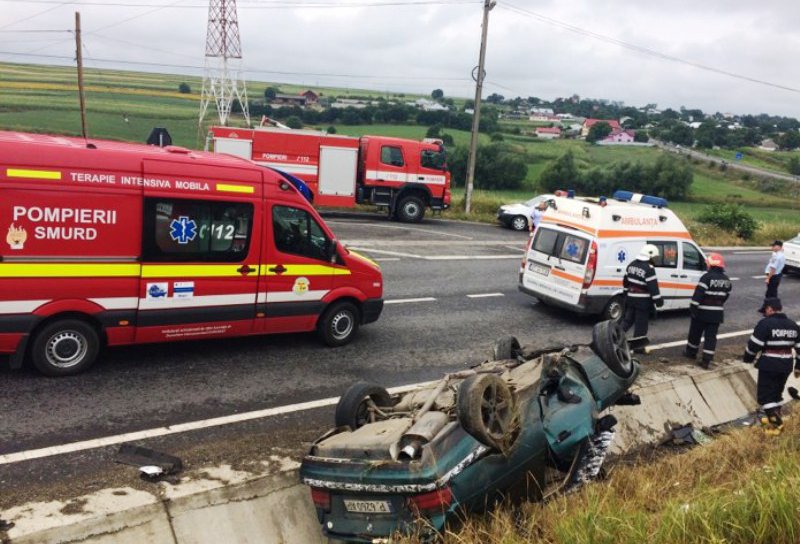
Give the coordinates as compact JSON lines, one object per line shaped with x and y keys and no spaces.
{"x":422,"y":47}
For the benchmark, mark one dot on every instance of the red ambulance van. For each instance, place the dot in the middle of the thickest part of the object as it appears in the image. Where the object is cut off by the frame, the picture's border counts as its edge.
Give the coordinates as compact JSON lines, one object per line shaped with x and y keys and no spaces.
{"x":109,"y":243}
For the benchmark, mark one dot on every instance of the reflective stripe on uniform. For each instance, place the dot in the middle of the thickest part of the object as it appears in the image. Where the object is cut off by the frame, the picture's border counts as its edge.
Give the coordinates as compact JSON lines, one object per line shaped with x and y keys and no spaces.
{"x":713,"y":308}
{"x":756,"y":341}
{"x":635,"y":281}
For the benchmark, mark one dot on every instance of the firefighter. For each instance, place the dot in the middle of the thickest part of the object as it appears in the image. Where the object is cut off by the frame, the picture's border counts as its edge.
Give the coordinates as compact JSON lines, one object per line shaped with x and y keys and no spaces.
{"x":707,"y":310}
{"x":641,"y":292}
{"x":775,"y":336}
{"x":774,"y":272}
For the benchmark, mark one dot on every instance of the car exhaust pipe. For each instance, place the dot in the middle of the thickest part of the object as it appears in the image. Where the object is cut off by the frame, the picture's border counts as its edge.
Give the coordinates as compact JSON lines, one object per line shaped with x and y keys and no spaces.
{"x":420,"y":434}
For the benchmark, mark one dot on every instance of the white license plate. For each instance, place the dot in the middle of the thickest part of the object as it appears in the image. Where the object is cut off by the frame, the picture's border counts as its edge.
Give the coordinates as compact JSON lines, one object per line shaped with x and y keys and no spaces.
{"x":539,"y":269}
{"x":368,"y":507}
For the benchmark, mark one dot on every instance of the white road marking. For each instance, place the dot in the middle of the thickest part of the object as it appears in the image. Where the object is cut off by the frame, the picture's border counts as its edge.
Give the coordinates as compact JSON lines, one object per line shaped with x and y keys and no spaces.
{"x":750,"y":252}
{"x":386,"y":259}
{"x":486,"y":295}
{"x":735,"y":279}
{"x":409,"y":300}
{"x":761,"y":277}
{"x":95,"y":443}
{"x":437,"y":257}
{"x":374,"y":226}
{"x":16,"y":457}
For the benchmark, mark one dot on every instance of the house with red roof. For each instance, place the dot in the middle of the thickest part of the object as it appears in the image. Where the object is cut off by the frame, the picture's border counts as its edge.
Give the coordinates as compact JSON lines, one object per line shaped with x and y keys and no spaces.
{"x":548,"y":133}
{"x":613,"y":123}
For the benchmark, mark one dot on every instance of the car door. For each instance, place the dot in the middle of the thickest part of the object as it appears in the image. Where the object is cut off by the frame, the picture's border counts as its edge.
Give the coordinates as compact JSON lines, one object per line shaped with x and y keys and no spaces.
{"x":693,"y":266}
{"x":298,"y":273}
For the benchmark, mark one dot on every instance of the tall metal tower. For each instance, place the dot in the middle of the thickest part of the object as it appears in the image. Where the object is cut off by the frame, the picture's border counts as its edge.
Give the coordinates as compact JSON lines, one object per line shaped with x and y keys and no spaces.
{"x":223,"y":65}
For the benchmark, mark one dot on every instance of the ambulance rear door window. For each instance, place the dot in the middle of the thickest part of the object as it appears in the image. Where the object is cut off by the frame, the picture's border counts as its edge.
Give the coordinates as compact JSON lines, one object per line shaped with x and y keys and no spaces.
{"x":545,"y":241}
{"x":196,"y":230}
{"x":573,"y":248}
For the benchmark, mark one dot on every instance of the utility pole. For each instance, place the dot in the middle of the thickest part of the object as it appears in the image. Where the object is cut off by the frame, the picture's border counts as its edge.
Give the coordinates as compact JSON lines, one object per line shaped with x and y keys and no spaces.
{"x":79,"y":57}
{"x":476,"y":115}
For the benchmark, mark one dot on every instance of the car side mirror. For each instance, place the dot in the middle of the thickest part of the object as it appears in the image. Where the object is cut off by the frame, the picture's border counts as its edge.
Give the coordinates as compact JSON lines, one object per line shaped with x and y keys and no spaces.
{"x":330,"y":250}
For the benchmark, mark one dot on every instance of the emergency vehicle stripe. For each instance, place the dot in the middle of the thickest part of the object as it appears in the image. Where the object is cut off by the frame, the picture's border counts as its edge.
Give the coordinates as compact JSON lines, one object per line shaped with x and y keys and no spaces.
{"x":68,"y":270}
{"x":289,"y":296}
{"x":194,"y":270}
{"x":558,"y":273}
{"x":32,"y":174}
{"x":640,"y":233}
{"x":674,"y":285}
{"x":197,"y":302}
{"x":569,"y":224}
{"x":229,"y":188}
{"x":304,"y":270}
{"x":20,"y":306}
{"x":117,"y":303}
{"x":363,"y":258}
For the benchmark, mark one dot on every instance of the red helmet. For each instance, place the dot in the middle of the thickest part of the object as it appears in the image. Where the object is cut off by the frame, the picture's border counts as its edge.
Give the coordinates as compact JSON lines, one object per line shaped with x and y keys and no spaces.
{"x":715,"y":259}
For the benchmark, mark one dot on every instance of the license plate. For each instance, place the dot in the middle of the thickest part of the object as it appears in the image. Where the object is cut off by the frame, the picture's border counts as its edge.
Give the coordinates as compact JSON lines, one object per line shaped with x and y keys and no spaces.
{"x":368,"y":507}
{"x":539,"y":269}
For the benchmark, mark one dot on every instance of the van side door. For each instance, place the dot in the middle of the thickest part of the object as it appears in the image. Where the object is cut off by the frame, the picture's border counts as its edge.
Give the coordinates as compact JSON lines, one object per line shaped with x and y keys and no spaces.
{"x":693,"y":266}
{"x":201,"y":247}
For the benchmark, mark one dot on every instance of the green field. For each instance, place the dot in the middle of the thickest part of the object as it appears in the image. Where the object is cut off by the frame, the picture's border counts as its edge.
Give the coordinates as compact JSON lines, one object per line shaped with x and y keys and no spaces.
{"x":125,"y":105}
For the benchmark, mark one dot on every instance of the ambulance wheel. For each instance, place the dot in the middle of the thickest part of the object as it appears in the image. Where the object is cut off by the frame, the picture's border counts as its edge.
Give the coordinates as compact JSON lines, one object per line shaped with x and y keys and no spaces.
{"x":339,"y":324}
{"x":411,"y":209}
{"x":610,"y":343}
{"x":519,"y":222}
{"x":65,"y":347}
{"x":614,"y":310}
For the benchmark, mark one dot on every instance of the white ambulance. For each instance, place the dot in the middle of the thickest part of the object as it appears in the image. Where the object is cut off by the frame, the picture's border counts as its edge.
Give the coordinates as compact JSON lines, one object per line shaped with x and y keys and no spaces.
{"x":577,"y":257}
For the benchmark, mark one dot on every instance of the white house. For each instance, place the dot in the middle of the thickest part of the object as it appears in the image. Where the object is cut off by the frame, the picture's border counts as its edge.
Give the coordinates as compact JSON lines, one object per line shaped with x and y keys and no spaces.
{"x":548,"y":133}
{"x":619,"y":137}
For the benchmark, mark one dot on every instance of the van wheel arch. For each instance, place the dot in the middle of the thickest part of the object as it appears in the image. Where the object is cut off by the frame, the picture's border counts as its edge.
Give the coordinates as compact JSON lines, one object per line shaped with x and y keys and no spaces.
{"x":94,"y":332}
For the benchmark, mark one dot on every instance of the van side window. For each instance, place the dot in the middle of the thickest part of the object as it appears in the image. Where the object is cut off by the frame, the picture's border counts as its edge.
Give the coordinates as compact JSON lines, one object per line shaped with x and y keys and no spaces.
{"x":667,"y":254}
{"x":196,"y":230}
{"x":692,"y":260}
{"x":392,"y":155}
{"x":296,"y":232}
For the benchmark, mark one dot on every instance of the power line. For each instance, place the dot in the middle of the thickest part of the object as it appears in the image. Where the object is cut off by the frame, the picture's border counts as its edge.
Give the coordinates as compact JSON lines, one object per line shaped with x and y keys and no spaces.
{"x":264,"y":5}
{"x":641,"y":49}
{"x":29,"y":17}
{"x":32,"y":31}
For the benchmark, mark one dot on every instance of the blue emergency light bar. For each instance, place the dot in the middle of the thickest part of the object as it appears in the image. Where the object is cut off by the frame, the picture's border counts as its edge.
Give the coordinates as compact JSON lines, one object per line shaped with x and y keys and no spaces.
{"x":628,"y":196}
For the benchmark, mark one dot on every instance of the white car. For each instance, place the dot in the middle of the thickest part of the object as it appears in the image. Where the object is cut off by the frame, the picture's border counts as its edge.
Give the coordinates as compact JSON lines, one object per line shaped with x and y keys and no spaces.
{"x":791,"y":250}
{"x":517,"y":216}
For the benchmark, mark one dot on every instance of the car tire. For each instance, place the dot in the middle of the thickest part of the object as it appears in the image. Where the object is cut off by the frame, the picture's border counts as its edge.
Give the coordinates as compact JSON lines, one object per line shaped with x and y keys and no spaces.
{"x":614,"y":309}
{"x":410,"y":209}
{"x":610,"y":343}
{"x":519,"y":223}
{"x":339,"y":324}
{"x":505,"y":347}
{"x":486,"y":410}
{"x":352,"y":408}
{"x":65,"y":347}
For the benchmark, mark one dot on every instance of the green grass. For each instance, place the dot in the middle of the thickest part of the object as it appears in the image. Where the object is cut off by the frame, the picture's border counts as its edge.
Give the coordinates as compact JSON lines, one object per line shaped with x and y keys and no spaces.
{"x":776,"y":161}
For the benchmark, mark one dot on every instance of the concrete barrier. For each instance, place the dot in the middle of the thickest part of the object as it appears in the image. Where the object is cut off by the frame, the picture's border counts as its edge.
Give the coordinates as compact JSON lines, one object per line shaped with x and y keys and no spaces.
{"x":223,"y":505}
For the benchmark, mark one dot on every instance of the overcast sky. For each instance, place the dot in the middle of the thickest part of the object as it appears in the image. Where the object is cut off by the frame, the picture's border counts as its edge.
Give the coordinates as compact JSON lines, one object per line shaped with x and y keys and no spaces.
{"x":422,"y":45}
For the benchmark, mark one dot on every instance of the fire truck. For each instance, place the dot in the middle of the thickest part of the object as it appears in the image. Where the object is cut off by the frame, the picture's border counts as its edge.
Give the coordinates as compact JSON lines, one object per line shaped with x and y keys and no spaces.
{"x":402,"y":176}
{"x":108,"y":244}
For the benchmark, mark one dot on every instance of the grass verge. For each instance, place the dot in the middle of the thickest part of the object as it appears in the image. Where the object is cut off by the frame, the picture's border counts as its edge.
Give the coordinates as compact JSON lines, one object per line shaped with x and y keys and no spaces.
{"x":742,"y":488}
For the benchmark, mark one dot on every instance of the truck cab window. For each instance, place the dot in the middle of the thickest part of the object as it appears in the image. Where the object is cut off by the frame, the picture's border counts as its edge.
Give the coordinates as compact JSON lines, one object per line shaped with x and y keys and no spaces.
{"x":436,"y":160}
{"x":296,"y":232}
{"x":692,"y":259}
{"x":196,"y":230}
{"x":392,"y":155}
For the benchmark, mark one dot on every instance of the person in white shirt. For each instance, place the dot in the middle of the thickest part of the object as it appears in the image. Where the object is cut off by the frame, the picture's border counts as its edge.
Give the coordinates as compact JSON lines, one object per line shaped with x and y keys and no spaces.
{"x":536,"y":214}
{"x":774,"y":272}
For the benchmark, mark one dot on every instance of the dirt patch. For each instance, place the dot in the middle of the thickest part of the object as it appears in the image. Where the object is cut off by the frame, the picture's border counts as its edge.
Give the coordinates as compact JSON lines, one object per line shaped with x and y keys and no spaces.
{"x":75,"y":506}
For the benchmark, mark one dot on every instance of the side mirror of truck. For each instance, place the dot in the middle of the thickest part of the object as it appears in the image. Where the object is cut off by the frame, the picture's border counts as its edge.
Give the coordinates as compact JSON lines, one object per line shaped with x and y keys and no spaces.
{"x":331,"y":250}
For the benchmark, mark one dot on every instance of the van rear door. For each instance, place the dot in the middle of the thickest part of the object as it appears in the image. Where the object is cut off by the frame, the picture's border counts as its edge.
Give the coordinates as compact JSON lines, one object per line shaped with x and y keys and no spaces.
{"x":556,"y":263}
{"x":200,"y":251}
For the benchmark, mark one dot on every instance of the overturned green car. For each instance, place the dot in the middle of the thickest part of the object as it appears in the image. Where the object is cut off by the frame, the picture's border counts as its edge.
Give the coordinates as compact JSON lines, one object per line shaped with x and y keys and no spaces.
{"x":499,"y":431}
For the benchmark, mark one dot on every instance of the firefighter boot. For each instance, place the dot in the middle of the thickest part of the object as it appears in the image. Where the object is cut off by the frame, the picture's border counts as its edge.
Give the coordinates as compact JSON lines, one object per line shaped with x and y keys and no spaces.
{"x":706,"y":362}
{"x":689,"y":352}
{"x":772,"y":424}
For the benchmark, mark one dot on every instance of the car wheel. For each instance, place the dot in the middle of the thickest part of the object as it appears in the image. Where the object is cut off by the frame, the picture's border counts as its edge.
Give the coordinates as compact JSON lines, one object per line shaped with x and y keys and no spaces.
{"x":610,"y":343}
{"x":486,"y":410}
{"x":411,"y":209}
{"x":505,"y":347}
{"x":519,"y":222}
{"x":614,"y":309}
{"x":352,"y":409}
{"x":339,"y":324}
{"x":65,"y":347}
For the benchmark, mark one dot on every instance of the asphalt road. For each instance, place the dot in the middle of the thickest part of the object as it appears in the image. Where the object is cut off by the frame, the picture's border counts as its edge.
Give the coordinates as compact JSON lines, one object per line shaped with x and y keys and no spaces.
{"x":443,"y":263}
